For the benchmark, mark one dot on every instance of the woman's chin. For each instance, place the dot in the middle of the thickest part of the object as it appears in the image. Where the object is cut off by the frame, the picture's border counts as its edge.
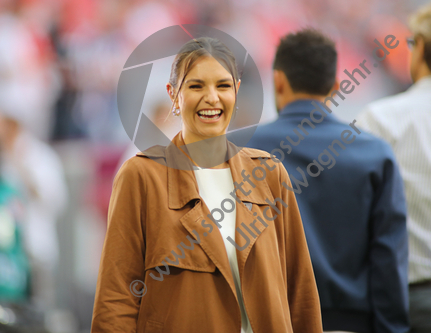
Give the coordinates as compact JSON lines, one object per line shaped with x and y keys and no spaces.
{"x":208,"y":134}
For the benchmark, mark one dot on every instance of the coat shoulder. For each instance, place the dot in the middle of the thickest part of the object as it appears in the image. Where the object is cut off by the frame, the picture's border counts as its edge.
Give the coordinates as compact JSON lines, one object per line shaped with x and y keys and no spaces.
{"x":256,"y":153}
{"x":154,"y":151}
{"x":142,"y":165}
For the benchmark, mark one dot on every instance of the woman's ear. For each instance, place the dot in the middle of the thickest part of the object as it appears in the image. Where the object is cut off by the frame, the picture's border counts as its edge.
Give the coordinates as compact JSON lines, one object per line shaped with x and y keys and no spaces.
{"x":237,"y":85}
{"x":170,"y":91}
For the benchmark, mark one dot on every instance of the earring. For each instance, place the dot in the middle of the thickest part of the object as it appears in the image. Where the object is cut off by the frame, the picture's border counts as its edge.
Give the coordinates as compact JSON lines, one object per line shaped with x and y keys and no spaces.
{"x":175,"y":111}
{"x":235,"y":112}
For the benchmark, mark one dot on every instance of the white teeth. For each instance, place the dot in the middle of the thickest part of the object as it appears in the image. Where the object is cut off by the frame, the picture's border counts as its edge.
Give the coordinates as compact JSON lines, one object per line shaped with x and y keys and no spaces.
{"x":209,"y":112}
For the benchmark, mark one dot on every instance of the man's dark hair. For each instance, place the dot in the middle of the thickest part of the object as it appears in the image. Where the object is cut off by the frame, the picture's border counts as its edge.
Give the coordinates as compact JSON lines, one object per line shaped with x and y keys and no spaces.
{"x":309,"y":60}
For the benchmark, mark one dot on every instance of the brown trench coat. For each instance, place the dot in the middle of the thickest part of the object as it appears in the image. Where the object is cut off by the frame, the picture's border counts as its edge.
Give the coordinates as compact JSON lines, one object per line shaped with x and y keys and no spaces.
{"x":153,"y":208}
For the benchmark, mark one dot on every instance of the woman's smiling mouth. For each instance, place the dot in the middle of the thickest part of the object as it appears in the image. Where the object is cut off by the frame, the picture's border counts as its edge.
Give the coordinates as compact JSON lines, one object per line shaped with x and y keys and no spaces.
{"x":210,"y":115}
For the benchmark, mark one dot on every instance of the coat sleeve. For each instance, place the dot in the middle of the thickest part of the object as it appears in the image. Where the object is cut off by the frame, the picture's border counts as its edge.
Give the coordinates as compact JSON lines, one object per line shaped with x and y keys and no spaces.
{"x":389,"y":252}
{"x":115,"y":307}
{"x":302,"y":291}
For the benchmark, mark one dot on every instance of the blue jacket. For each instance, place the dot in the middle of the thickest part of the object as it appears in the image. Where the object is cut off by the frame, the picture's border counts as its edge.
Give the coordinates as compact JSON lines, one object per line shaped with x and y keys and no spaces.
{"x":352,"y":204}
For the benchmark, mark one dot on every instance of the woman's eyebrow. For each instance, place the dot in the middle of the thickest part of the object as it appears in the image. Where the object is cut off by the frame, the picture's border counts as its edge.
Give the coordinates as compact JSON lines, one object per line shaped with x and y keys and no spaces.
{"x":224,"y":80}
{"x":202,"y":81}
{"x":195,"y":80}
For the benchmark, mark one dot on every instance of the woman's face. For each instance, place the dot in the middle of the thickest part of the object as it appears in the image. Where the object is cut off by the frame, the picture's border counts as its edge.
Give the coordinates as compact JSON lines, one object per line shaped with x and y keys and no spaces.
{"x":206,"y":100}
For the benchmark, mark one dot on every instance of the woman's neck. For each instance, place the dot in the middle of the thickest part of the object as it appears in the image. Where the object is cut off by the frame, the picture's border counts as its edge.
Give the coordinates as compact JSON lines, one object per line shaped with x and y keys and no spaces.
{"x":208,"y":153}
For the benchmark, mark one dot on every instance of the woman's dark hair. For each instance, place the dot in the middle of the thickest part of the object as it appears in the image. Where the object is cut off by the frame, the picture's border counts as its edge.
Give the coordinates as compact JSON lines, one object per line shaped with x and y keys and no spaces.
{"x":309,"y":60}
{"x":192,"y":51}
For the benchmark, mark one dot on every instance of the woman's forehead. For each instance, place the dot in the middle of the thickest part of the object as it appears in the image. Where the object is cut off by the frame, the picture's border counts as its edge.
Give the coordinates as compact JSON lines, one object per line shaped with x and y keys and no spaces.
{"x":207,"y":67}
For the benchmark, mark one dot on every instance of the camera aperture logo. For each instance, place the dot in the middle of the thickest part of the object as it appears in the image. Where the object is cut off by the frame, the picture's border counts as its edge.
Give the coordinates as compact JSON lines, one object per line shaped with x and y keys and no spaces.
{"x":138,"y":288}
{"x":134,"y":79}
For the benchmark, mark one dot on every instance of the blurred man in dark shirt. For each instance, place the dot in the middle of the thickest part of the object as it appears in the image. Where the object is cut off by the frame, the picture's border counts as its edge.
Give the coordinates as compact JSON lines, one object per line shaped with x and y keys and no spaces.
{"x":349,"y":191}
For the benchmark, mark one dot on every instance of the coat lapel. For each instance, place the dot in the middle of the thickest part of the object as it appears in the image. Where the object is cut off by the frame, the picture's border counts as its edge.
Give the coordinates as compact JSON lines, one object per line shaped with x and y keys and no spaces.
{"x":183,"y":188}
{"x":246,"y":235}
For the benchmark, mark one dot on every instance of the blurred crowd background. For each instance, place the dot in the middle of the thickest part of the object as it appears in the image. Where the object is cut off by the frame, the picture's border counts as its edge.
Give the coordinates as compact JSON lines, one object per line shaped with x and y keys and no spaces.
{"x":62,"y":140}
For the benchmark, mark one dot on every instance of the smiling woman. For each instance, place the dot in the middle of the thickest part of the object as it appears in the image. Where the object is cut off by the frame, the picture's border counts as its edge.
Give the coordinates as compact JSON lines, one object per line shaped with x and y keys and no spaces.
{"x":206,"y":98}
{"x":268,"y":286}
{"x":203,"y":87}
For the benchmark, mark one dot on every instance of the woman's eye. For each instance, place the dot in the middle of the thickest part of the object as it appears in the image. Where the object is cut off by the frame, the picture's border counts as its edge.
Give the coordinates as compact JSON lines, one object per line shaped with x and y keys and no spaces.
{"x":195,"y":86}
{"x":225,"y":86}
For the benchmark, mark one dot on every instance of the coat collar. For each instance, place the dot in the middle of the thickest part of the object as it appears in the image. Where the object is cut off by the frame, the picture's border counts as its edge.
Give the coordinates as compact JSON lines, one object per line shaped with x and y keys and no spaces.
{"x":182,"y":183}
{"x":183,"y":187}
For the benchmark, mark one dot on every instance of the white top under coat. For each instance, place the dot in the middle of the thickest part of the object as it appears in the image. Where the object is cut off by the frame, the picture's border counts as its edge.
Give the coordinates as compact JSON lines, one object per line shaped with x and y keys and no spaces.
{"x":215,"y":185}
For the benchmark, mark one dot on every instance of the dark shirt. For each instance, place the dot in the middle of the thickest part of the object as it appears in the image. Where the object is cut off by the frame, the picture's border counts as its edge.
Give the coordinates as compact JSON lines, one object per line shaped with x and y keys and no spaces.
{"x":353,"y":209}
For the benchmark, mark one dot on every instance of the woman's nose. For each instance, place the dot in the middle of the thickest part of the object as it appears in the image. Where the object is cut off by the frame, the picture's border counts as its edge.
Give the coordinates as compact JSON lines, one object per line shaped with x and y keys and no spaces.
{"x":211,"y":96}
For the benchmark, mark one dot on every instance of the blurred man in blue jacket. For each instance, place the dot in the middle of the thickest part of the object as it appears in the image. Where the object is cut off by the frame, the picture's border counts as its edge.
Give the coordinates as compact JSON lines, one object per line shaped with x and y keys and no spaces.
{"x":349,"y":190}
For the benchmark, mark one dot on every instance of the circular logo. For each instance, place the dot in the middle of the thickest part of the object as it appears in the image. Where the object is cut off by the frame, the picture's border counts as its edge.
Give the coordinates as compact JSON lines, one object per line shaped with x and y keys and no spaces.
{"x":133,"y":84}
{"x":138,"y":288}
